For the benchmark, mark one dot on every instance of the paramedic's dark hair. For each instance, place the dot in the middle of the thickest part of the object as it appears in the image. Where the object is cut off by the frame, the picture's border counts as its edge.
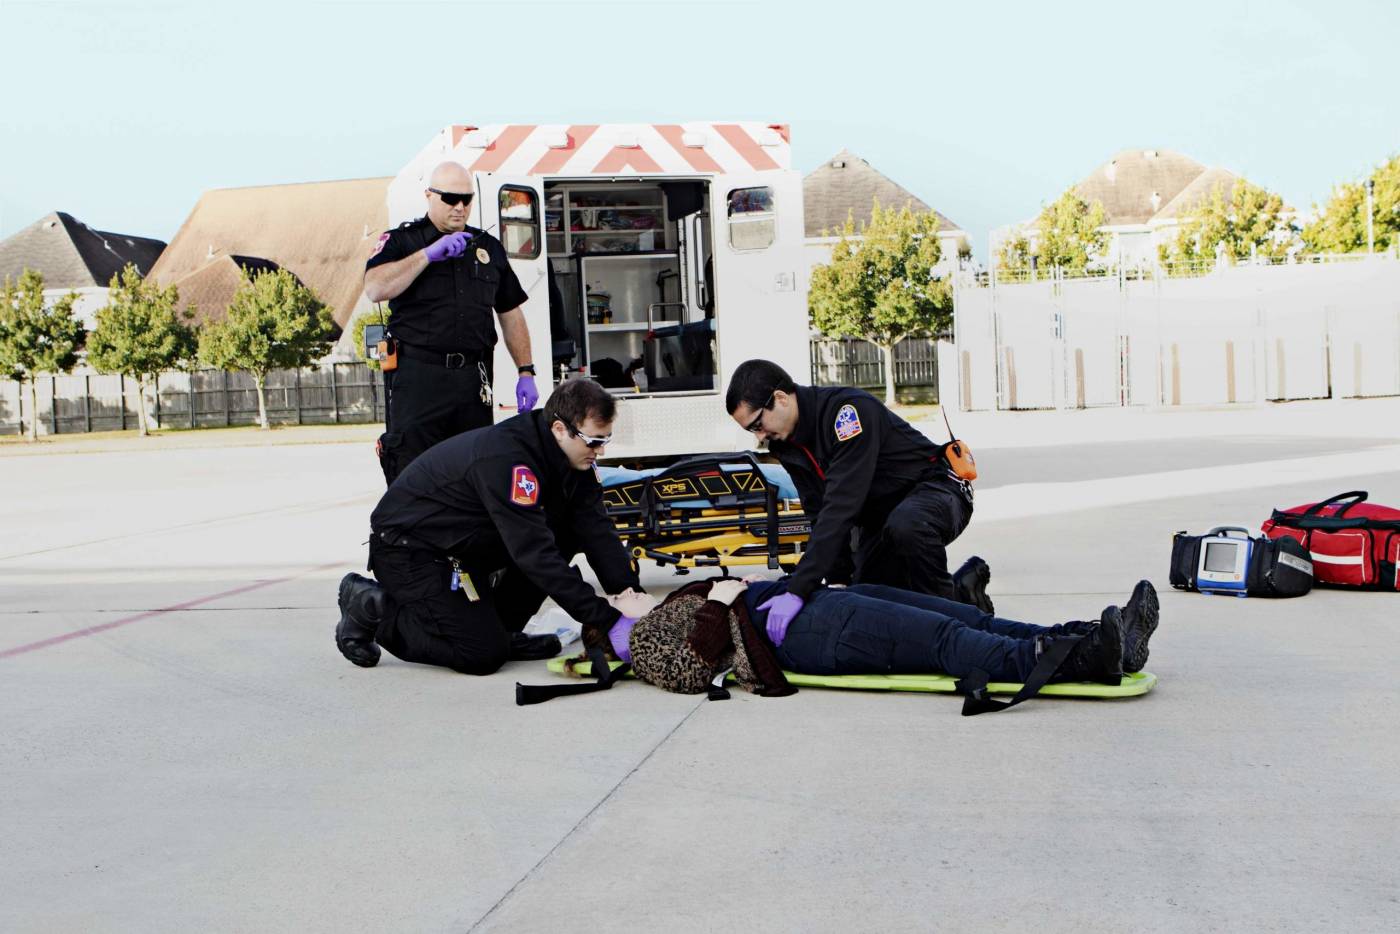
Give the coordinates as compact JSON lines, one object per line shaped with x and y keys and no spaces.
{"x":577,"y":399}
{"x":754,"y":382}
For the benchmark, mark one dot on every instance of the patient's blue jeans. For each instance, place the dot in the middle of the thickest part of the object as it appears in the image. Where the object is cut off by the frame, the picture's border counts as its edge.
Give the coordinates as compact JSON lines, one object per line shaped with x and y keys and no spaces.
{"x":873,"y":629}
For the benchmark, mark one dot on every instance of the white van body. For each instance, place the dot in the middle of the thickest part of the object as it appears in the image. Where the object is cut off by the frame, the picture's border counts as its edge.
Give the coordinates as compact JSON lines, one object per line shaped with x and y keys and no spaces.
{"x":676,"y":249}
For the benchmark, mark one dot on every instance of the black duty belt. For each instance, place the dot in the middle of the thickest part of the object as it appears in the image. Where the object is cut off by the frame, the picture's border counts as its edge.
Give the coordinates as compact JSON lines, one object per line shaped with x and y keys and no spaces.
{"x":452,"y":361}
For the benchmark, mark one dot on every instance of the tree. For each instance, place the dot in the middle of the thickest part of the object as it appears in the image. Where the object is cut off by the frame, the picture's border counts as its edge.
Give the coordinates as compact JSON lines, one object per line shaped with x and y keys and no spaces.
{"x":880,"y":286}
{"x":141,"y":332}
{"x":1341,"y":226}
{"x":1248,"y":221}
{"x":1069,"y":234}
{"x":357,"y":333}
{"x":34,"y":338}
{"x":274,"y":322}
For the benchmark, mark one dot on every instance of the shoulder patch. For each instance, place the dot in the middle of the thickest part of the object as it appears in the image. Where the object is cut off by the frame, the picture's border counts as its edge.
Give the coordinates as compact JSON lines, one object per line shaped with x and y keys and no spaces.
{"x":524,"y":486}
{"x":383,"y":239}
{"x":847,"y":423}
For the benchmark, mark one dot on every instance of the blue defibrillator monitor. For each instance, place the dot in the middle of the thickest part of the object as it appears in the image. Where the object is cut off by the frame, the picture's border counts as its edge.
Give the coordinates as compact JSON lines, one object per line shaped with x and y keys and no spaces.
{"x":1224,"y":561}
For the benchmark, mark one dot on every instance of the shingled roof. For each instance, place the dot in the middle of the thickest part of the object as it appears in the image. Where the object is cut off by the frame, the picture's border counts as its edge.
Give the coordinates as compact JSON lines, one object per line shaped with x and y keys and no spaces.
{"x":847,"y":185}
{"x":1137,"y":183}
{"x":72,"y":255}
{"x":210,"y":288}
{"x":321,"y":231}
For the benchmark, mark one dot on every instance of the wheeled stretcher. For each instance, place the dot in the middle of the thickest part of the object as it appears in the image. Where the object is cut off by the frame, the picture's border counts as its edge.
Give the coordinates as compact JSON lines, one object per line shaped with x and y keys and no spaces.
{"x":721,"y":510}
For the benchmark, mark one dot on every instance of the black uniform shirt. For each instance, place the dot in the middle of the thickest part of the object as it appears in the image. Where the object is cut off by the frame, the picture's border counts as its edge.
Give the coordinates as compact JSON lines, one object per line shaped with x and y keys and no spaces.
{"x":448,"y":307}
{"x":852,"y":460}
{"x":502,"y":494}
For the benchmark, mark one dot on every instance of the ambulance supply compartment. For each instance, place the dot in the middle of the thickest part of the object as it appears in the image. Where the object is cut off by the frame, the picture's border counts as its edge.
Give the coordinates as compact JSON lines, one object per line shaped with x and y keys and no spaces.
{"x":631,"y":261}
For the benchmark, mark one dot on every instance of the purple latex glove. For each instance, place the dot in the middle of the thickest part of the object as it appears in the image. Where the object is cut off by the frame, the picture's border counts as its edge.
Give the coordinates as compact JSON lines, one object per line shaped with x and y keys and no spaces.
{"x":448,"y":247}
{"x":781,"y":609}
{"x":618,"y":634}
{"x":526,"y":395}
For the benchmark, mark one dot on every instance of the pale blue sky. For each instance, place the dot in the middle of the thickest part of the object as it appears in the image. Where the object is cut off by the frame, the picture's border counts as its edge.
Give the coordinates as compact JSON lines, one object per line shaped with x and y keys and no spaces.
{"x":123,"y":113}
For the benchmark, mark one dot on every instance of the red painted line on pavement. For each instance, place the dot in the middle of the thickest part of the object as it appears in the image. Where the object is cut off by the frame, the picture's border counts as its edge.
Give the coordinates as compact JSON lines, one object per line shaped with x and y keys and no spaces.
{"x":189,"y":604}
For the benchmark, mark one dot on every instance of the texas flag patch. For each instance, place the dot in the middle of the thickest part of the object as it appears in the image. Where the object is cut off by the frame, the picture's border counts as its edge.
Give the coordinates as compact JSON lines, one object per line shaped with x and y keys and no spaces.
{"x":847,"y":423}
{"x":524,"y":486}
{"x":383,"y":239}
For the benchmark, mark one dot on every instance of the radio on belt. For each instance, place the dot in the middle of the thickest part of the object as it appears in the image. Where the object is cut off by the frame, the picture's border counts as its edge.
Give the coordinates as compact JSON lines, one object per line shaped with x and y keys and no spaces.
{"x":1224,"y":561}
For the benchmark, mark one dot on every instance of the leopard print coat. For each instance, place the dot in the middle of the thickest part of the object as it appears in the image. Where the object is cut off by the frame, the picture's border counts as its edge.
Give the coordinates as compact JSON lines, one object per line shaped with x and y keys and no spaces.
{"x":687,"y":640}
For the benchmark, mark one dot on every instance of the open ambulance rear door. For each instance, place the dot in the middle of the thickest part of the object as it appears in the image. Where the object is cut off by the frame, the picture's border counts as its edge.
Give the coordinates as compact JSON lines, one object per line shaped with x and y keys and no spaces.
{"x":511,"y":208}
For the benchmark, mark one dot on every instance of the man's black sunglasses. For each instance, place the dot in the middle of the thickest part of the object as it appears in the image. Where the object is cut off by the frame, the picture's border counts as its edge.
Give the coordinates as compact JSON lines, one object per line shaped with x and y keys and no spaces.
{"x":588,"y":440}
{"x":454,"y":198}
{"x":757,"y":423}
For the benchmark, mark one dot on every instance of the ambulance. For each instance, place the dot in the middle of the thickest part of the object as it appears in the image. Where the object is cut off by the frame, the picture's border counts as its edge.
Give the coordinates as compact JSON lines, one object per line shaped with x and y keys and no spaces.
{"x":656,"y":258}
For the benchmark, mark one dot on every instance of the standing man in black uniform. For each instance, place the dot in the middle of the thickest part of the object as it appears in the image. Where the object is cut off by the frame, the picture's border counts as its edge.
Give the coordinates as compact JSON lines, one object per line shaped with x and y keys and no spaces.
{"x":442,"y":279}
{"x":859,"y":466}
{"x":476,"y":532}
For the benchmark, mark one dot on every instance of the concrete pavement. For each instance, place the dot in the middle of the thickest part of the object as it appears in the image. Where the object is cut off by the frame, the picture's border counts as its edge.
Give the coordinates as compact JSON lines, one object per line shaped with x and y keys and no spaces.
{"x":183,"y":748}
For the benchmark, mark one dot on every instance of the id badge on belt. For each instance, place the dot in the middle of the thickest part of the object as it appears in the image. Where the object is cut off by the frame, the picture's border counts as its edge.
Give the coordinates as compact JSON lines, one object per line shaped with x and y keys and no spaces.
{"x":461,"y":580}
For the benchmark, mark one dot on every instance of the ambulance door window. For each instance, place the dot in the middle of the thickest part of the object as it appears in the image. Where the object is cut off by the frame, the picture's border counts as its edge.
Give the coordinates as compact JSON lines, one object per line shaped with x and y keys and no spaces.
{"x":752,"y":223}
{"x":520,"y":222}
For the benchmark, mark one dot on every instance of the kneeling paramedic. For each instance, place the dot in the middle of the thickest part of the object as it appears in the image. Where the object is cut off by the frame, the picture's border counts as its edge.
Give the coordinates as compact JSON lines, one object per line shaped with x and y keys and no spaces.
{"x":858,"y":466}
{"x":478,"y":530}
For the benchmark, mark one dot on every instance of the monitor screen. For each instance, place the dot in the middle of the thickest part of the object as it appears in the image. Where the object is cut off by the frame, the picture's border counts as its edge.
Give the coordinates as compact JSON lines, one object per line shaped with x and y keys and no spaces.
{"x":1220,"y":556}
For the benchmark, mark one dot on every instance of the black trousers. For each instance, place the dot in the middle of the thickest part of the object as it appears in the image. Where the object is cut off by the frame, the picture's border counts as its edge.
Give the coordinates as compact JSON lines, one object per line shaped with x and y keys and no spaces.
{"x":909,"y":549}
{"x":432,"y":624}
{"x":429,"y":403}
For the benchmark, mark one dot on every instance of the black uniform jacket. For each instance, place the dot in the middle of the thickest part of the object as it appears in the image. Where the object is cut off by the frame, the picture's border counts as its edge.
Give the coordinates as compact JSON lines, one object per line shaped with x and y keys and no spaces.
{"x":448,"y":307}
{"x":852,"y":461}
{"x":507,"y":494}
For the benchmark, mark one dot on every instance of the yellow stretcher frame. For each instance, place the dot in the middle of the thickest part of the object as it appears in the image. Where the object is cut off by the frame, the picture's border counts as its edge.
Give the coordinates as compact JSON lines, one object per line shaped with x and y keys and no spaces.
{"x":742,"y":522}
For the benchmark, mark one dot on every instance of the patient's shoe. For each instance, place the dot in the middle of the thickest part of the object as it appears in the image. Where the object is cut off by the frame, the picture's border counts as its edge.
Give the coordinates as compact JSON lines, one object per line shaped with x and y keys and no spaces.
{"x":363,"y":604}
{"x":970,"y":584}
{"x":1097,"y":656}
{"x":525,"y":647}
{"x":1140,"y":617}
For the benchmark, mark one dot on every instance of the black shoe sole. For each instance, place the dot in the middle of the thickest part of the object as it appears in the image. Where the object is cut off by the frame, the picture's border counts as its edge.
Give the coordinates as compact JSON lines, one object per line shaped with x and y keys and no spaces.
{"x":357,"y":650}
{"x":1140,"y":618}
{"x":970,"y":583}
{"x":1111,"y":634}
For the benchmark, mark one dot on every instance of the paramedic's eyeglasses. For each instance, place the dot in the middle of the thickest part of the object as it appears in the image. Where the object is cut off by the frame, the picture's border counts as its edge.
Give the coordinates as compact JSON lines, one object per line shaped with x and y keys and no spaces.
{"x":756,"y":425}
{"x":454,"y":198}
{"x":589,"y":440}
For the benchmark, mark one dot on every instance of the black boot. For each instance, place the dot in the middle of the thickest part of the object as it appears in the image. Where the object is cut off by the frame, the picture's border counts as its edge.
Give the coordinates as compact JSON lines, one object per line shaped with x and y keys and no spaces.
{"x":363,"y":605}
{"x":1098,"y":656}
{"x":970,"y":584}
{"x":1140,"y":617}
{"x":525,"y":647}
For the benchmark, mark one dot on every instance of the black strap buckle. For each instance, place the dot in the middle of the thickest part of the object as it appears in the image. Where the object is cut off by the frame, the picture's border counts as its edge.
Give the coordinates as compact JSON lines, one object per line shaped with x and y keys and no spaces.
{"x":458,"y":365}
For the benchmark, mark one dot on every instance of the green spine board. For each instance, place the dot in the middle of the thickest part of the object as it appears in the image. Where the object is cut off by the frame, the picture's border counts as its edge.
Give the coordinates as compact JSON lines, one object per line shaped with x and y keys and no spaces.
{"x":1131,"y":686}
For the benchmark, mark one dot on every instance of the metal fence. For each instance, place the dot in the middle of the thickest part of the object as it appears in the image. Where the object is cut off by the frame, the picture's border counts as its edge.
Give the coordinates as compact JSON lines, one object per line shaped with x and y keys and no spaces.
{"x":346,"y":393}
{"x":340,"y":393}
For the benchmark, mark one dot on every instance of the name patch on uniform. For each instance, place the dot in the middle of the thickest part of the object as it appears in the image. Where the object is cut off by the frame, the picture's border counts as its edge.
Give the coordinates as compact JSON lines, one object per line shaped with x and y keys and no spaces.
{"x":524,"y":486}
{"x":383,"y":239}
{"x":847,"y":423}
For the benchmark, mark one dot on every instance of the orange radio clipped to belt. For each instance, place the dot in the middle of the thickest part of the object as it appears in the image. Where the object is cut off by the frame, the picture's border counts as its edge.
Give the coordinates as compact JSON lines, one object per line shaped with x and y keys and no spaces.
{"x":958,"y":454}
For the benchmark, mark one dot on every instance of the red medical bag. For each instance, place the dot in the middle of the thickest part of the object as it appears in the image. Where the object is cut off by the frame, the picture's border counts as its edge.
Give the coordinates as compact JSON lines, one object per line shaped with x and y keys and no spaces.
{"x":1353,"y":543}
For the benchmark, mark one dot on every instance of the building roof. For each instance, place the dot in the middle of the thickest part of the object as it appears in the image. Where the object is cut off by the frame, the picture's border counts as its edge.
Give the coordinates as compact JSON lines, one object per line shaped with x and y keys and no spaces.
{"x":210,"y":288}
{"x":72,"y":255}
{"x":321,"y":231}
{"x":1137,"y":183}
{"x":847,"y":185}
{"x":1193,"y":194}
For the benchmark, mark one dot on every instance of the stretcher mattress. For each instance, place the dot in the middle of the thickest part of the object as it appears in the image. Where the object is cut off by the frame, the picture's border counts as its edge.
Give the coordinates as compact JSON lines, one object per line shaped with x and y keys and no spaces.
{"x":1131,"y":686}
{"x":616,"y":476}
